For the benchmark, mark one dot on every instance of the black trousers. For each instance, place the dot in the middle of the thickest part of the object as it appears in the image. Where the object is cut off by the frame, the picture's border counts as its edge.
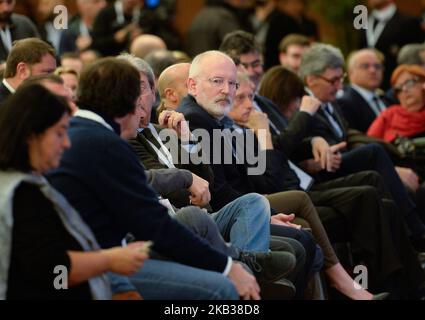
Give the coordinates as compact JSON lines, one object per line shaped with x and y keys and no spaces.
{"x":358,"y":208}
{"x":374,"y":157}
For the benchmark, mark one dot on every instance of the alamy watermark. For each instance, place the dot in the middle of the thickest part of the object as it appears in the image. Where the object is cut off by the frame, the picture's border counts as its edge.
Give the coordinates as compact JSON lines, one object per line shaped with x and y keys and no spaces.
{"x":222,"y":147}
{"x":60,"y":282}
{"x":361,"y":20}
{"x":61,"y":19}
{"x":361,"y":279}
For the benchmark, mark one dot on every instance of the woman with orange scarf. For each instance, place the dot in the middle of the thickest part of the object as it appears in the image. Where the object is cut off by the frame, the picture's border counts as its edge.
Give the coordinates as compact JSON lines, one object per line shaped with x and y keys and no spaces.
{"x":408,"y":118}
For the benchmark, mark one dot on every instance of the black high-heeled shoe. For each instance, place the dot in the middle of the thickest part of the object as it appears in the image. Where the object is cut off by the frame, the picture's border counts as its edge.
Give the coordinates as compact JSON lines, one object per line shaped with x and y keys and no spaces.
{"x":334,"y":294}
{"x":381,"y":296}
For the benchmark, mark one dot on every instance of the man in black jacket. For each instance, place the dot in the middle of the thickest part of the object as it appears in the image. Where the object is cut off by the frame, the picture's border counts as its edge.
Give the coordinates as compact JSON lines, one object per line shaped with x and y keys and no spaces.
{"x":388,"y":30}
{"x":13,"y":27}
{"x":102,"y":178}
{"x":28,"y":57}
{"x":361,"y":102}
{"x":322,"y":72}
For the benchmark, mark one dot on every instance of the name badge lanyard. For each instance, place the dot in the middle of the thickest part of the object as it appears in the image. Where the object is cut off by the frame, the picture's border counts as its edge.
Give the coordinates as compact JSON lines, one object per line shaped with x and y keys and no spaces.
{"x":163,"y":154}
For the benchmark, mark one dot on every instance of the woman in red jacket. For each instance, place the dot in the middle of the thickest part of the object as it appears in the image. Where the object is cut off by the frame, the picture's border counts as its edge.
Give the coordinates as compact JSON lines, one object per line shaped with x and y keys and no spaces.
{"x":408,"y":118}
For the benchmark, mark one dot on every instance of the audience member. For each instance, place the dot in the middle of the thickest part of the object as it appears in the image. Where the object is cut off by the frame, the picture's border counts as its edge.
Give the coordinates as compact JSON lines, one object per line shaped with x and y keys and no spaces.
{"x":159,"y":60}
{"x":246,"y":52}
{"x":54,"y":84}
{"x":70,"y":80}
{"x":213,"y":22}
{"x":413,"y":53}
{"x":362,"y":100}
{"x":145,"y":44}
{"x":172,"y":86}
{"x":322,"y":73}
{"x":389,"y":30}
{"x":71,"y":60}
{"x":46,"y":231}
{"x":28,"y":57}
{"x":407,"y":119}
{"x":231,"y":219}
{"x":247,"y":118}
{"x":46,"y":26}
{"x":116,"y":26}
{"x":289,"y":17}
{"x":291,"y":49}
{"x":13,"y":27}
{"x":78,"y":36}
{"x":108,"y":90}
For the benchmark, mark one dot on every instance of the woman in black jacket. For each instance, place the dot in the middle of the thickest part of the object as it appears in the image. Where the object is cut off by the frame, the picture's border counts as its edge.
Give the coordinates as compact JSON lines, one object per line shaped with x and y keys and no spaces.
{"x":47,"y":251}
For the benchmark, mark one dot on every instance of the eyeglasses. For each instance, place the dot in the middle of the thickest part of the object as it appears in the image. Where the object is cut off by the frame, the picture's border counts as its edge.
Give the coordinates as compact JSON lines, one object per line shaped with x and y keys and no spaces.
{"x":406,"y":85}
{"x":376,"y":66}
{"x":333,"y":81}
{"x":219,"y":83}
{"x":254,"y":65}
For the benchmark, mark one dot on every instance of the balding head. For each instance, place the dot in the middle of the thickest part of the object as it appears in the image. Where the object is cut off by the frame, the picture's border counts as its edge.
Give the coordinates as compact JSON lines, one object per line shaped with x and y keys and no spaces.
{"x":145,"y":44}
{"x":202,"y":62}
{"x":212,"y":82}
{"x":172,"y":84}
{"x":365,"y":69}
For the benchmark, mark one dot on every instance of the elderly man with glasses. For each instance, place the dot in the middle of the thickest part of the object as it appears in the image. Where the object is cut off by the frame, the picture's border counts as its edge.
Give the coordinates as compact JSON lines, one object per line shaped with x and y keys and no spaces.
{"x":362,"y":100}
{"x":322,"y":70}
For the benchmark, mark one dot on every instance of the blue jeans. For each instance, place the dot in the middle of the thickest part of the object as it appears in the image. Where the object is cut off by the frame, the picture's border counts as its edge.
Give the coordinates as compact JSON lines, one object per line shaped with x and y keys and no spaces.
{"x":201,"y":223}
{"x":245,"y":222}
{"x":166,"y":280}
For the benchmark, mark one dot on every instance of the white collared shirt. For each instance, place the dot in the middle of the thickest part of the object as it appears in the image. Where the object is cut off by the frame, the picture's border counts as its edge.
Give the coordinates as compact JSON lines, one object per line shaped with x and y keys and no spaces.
{"x":386,"y":13}
{"x":87,"y":114}
{"x":8,"y":86}
{"x":329,"y":111}
{"x":6,"y":38}
{"x":383,"y":16}
{"x":163,"y":153}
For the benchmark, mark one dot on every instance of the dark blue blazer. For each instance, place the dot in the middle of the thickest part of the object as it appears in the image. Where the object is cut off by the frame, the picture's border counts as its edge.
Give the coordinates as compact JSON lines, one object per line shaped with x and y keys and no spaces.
{"x":102,"y":178}
{"x":4,"y":92}
{"x":356,"y":110}
{"x":231,"y":180}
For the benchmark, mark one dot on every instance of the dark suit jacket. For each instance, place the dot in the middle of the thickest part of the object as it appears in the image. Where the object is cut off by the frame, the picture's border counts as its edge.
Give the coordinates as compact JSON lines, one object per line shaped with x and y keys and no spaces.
{"x":231,"y":180}
{"x":4,"y":92}
{"x":323,"y":128}
{"x":103,"y":32}
{"x":273,"y":112}
{"x":147,"y":155}
{"x":401,"y":29}
{"x":103,"y":180}
{"x":292,"y":136}
{"x":281,"y":25}
{"x":21,"y":27}
{"x":69,"y":36}
{"x":356,"y":110}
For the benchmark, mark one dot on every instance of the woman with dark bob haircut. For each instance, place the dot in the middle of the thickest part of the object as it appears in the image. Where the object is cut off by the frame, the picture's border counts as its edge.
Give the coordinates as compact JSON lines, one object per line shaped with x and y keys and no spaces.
{"x":284,"y":88}
{"x":45,"y":247}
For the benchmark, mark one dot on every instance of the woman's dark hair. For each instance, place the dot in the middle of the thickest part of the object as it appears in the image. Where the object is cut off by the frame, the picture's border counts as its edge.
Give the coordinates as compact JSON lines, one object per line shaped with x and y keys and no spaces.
{"x":110,"y":87}
{"x":30,"y":111}
{"x":282,"y":86}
